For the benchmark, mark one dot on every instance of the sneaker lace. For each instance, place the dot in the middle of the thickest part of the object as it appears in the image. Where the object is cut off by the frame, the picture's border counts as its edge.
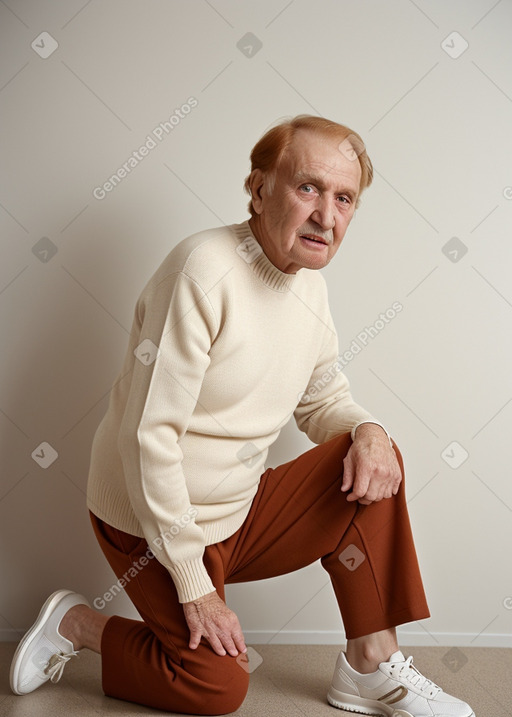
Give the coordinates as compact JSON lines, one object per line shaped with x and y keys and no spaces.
{"x":56,"y":664}
{"x":408,"y":673}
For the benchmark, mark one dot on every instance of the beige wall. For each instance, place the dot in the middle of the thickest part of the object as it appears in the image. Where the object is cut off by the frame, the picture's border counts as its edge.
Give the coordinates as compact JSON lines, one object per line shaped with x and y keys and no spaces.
{"x":437,"y":127}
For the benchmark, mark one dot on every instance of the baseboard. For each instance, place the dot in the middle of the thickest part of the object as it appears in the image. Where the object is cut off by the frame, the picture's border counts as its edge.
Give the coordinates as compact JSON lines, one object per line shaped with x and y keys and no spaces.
{"x":406,"y":637}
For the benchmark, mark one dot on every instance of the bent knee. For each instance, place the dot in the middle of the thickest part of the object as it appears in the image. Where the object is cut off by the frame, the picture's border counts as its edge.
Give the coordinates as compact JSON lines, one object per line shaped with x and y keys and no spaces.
{"x":218,"y":689}
{"x":230,"y":687}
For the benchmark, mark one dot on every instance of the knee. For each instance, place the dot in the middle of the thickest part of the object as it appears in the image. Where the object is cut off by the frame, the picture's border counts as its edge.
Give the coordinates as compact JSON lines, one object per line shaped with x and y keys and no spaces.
{"x":224,"y":684}
{"x":230,"y":687}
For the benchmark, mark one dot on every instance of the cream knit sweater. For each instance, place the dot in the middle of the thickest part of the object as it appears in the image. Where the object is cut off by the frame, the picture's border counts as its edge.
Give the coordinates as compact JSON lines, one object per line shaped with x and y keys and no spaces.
{"x":222,"y":348}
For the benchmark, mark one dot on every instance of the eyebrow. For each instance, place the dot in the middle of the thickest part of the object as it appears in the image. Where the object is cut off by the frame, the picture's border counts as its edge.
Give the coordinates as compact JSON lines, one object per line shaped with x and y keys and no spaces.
{"x":305,"y":177}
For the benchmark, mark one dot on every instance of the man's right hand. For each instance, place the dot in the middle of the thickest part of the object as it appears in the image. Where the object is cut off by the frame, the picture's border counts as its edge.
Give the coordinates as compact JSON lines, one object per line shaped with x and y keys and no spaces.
{"x":209,"y":617}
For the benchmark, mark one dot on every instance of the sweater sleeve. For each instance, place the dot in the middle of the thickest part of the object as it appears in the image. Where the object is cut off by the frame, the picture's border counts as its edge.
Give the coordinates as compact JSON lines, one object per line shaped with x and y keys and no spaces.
{"x":176,"y":324}
{"x":326,"y":408}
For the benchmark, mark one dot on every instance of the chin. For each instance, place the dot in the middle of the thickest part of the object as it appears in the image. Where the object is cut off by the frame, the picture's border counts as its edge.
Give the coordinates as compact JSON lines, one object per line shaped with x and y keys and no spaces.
{"x":315,"y":263}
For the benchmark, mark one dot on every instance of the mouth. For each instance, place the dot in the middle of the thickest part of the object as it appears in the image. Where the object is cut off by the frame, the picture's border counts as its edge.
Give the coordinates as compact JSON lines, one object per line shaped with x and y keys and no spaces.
{"x":313,"y":239}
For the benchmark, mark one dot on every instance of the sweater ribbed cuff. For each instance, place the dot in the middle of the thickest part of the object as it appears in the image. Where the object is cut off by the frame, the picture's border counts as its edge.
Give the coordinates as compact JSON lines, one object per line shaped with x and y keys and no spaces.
{"x":377,"y":423}
{"x":191,"y":580}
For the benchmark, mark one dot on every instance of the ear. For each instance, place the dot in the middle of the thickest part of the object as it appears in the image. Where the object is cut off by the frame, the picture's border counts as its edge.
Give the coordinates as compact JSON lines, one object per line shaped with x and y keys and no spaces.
{"x":256,"y":183}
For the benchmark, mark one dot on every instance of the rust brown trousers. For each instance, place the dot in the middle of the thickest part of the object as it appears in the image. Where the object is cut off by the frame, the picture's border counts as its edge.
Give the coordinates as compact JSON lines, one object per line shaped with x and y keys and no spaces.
{"x":298,"y":516}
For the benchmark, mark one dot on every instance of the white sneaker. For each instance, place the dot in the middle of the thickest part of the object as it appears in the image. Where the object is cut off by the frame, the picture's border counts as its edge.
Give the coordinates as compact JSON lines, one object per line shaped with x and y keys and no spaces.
{"x":396,"y":689}
{"x":43,"y":652}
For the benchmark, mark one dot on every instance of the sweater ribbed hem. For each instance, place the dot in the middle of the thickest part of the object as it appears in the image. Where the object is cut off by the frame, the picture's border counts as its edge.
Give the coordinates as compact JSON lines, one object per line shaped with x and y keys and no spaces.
{"x":191,"y":580}
{"x":190,"y":577}
{"x":120,"y":514}
{"x":252,"y":253}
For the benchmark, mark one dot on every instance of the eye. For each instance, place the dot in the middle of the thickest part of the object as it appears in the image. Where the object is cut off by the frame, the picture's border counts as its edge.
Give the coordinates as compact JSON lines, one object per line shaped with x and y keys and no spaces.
{"x":344,"y":200}
{"x":307,"y":188}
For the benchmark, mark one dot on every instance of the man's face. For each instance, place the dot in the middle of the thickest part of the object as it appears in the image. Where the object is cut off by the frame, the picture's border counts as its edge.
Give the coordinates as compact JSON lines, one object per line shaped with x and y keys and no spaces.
{"x":302,"y":222}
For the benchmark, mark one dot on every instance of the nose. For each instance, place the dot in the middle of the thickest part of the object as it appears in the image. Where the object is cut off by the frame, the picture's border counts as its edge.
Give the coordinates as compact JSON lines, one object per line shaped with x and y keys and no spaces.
{"x":323,"y":214}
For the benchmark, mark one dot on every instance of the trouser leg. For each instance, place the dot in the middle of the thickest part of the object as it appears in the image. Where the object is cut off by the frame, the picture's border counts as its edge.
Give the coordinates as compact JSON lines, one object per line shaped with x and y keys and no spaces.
{"x":149,"y":661}
{"x":299,"y":515}
{"x":374,"y":568}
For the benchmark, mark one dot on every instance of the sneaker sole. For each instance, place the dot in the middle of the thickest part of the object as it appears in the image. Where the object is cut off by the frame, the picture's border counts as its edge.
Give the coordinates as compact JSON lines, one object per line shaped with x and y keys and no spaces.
{"x":45,"y":612}
{"x":363,"y":706}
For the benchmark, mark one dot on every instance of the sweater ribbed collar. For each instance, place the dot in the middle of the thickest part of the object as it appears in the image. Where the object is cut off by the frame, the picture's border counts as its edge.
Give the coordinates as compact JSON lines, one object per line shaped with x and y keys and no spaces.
{"x":251,"y":252}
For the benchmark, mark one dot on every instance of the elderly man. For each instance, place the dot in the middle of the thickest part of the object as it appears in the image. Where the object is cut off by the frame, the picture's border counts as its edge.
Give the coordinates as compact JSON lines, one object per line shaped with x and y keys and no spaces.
{"x":231,"y":337}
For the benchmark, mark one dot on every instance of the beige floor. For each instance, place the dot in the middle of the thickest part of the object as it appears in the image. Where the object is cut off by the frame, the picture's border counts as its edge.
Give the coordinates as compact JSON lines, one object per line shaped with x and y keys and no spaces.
{"x":291,"y":681}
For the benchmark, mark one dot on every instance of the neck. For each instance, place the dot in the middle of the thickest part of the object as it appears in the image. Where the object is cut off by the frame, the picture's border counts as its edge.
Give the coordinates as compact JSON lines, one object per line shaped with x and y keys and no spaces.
{"x":259,"y":235}
{"x":255,"y":225}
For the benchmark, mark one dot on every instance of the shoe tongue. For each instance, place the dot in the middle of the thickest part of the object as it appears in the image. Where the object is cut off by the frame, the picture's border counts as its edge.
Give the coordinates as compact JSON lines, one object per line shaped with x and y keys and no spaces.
{"x":397,"y":657}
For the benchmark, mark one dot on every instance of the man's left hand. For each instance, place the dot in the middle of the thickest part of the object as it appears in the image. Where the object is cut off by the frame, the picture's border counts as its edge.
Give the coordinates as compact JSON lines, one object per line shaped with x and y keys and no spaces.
{"x":370,"y":468}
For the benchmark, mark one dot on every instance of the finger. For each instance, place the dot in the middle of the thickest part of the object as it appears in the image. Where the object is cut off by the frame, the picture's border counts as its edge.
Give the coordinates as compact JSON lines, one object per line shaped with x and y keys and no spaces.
{"x":348,"y":476}
{"x":195,"y":639}
{"x":232,"y":637}
{"x":359,"y":488}
{"x":216,"y":644}
{"x":229,"y":645}
{"x":381,"y":493}
{"x":367,"y":499}
{"x":385,"y":490}
{"x":239,"y":640}
{"x":351,"y":497}
{"x":390,"y":490}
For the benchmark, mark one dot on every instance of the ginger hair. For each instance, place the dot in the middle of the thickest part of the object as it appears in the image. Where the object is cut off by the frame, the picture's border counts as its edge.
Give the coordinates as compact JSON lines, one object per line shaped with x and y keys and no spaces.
{"x":269,"y":151}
